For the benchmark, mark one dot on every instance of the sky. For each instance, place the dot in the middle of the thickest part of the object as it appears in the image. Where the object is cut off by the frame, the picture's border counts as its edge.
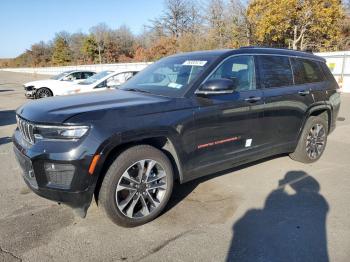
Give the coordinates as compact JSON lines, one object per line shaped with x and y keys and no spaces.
{"x":24,"y":22}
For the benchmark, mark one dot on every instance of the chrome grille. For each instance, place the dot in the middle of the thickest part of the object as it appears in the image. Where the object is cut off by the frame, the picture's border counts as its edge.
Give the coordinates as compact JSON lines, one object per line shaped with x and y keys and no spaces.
{"x":26,"y":128}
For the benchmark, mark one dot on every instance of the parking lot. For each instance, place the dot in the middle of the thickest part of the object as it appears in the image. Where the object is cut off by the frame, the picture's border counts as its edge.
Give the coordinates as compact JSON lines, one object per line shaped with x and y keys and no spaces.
{"x":272,"y":210}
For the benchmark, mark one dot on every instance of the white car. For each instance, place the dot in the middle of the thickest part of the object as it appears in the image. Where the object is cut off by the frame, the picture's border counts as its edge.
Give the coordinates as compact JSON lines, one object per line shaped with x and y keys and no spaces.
{"x":55,"y":85}
{"x":100,"y":81}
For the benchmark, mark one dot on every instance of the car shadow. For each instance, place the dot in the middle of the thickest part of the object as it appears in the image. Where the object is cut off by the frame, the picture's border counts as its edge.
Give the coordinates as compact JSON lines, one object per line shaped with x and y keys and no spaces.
{"x":290,"y":227}
{"x":7,"y":117}
{"x":5,"y":140}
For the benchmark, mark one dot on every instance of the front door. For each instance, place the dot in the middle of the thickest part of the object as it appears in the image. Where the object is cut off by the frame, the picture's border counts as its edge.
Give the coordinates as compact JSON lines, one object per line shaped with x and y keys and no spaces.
{"x":229,"y":124}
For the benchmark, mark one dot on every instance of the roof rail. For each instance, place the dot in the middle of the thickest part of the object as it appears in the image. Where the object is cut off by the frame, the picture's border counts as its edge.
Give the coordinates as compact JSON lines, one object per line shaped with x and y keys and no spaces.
{"x":270,"y":47}
{"x":307,"y":50}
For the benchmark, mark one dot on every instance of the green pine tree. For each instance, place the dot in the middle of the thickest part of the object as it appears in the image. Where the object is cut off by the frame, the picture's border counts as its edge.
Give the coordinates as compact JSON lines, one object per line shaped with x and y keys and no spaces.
{"x":90,"y":49}
{"x":61,"y":53}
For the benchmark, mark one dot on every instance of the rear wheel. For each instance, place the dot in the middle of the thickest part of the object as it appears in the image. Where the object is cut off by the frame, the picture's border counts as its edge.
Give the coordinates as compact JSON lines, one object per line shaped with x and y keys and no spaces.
{"x":312,"y":141}
{"x":137,"y":186}
{"x":43,"y":92}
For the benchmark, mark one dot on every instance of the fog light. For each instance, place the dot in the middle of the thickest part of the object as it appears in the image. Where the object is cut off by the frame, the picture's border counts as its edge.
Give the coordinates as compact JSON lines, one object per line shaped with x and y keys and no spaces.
{"x":59,"y":174}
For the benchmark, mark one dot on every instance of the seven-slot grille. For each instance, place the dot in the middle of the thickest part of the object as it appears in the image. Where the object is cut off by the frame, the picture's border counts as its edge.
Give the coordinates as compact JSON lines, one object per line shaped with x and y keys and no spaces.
{"x":26,"y":128}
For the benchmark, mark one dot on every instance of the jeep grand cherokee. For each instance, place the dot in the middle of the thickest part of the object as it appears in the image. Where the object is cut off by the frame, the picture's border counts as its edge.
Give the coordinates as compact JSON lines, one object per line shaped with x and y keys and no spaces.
{"x":183,"y":117}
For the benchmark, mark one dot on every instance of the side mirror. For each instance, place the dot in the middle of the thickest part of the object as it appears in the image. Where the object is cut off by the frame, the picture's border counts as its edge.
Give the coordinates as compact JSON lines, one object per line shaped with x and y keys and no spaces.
{"x":217,"y":87}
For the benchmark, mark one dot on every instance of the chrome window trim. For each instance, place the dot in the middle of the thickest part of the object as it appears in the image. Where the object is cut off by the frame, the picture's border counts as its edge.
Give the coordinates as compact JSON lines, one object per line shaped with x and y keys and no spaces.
{"x":254,"y":54}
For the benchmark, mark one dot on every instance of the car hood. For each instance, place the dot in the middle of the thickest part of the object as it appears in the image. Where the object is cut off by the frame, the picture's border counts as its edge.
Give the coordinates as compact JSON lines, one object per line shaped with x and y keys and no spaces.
{"x":41,"y":83}
{"x":59,"y":109}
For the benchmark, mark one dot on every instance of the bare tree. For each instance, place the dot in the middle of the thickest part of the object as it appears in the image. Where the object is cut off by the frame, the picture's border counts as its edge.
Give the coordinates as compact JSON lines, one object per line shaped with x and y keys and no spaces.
{"x":75,"y":44}
{"x":100,"y":32}
{"x":216,"y":19}
{"x":179,"y":17}
{"x":301,"y":24}
{"x":125,"y":39}
{"x":240,"y":22}
{"x":195,"y":17}
{"x":175,"y":17}
{"x":41,"y":54}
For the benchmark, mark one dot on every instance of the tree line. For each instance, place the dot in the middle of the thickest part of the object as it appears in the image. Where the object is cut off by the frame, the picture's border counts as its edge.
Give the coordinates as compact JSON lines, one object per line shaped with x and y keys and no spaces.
{"x":187,"y":25}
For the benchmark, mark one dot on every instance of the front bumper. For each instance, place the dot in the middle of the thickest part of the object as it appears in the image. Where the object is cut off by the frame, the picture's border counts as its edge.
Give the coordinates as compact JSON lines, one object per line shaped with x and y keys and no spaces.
{"x":76,"y":191}
{"x":30,"y":92}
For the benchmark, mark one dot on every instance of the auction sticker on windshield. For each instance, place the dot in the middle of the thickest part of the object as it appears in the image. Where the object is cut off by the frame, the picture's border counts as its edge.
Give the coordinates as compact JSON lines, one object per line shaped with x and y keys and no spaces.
{"x":194,"y":62}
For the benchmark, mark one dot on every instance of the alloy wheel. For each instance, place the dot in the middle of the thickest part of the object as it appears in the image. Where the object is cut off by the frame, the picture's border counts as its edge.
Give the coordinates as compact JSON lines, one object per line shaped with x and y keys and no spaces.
{"x":315,"y":141}
{"x":44,"y":93}
{"x":141,"y":189}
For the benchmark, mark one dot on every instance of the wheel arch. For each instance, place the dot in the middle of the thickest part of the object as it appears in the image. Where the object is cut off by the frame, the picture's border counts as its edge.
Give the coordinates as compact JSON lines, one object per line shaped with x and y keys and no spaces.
{"x":112,"y":150}
{"x":323,"y":110}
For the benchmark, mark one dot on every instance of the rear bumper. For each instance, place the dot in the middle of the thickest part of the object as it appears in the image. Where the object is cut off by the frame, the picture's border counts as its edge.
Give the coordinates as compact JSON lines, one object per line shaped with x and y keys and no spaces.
{"x":335,"y":101}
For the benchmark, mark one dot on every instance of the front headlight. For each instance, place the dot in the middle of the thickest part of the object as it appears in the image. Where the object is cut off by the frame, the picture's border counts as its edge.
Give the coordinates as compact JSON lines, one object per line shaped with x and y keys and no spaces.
{"x":59,"y":132}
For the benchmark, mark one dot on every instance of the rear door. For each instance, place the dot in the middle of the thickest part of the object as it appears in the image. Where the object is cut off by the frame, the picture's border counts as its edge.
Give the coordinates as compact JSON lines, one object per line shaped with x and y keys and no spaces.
{"x":287,"y":99}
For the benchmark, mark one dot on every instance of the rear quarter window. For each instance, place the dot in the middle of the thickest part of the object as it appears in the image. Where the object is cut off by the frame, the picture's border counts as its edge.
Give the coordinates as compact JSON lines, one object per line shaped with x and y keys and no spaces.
{"x":275,"y":71}
{"x":306,"y":71}
{"x":327,"y":72}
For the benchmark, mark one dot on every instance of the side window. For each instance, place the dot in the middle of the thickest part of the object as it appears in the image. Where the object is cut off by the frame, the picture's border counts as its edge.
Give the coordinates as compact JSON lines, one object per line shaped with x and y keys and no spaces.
{"x":102,"y":84}
{"x":306,"y":71}
{"x":299,"y":72}
{"x":240,"y":69}
{"x":119,"y":79}
{"x":68,"y":77}
{"x":327,"y":72}
{"x":275,"y":71}
{"x":76,"y":76}
{"x":313,"y":71}
{"x":72,"y":77}
{"x":86,"y":75}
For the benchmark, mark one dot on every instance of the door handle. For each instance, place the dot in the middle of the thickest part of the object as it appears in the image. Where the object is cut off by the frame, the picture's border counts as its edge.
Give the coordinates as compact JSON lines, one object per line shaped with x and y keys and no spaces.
{"x":304,"y":92}
{"x":252,"y":99}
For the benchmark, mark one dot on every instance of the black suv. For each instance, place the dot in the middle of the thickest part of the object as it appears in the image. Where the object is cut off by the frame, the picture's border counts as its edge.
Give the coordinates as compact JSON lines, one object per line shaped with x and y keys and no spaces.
{"x":181,"y":118}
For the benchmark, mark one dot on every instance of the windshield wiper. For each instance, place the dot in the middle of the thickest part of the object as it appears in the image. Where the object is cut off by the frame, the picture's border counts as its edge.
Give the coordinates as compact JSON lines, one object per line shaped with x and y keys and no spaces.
{"x":136,"y":90}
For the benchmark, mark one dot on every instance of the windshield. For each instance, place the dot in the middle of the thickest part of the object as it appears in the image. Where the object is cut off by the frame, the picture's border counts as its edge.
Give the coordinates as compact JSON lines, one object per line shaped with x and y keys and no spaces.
{"x":169,"y":76}
{"x":95,"y":78}
{"x":59,"y":76}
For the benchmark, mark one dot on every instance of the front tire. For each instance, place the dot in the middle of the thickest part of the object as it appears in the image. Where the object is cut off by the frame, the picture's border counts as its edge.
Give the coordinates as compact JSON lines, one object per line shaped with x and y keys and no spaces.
{"x":312,"y":142}
{"x":137,"y":186}
{"x":43,"y":92}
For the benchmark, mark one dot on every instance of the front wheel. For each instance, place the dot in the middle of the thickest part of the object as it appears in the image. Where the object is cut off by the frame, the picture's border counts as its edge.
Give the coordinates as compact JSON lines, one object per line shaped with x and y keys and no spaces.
{"x":312,"y":141}
{"x":137,"y":186}
{"x":43,"y":92}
